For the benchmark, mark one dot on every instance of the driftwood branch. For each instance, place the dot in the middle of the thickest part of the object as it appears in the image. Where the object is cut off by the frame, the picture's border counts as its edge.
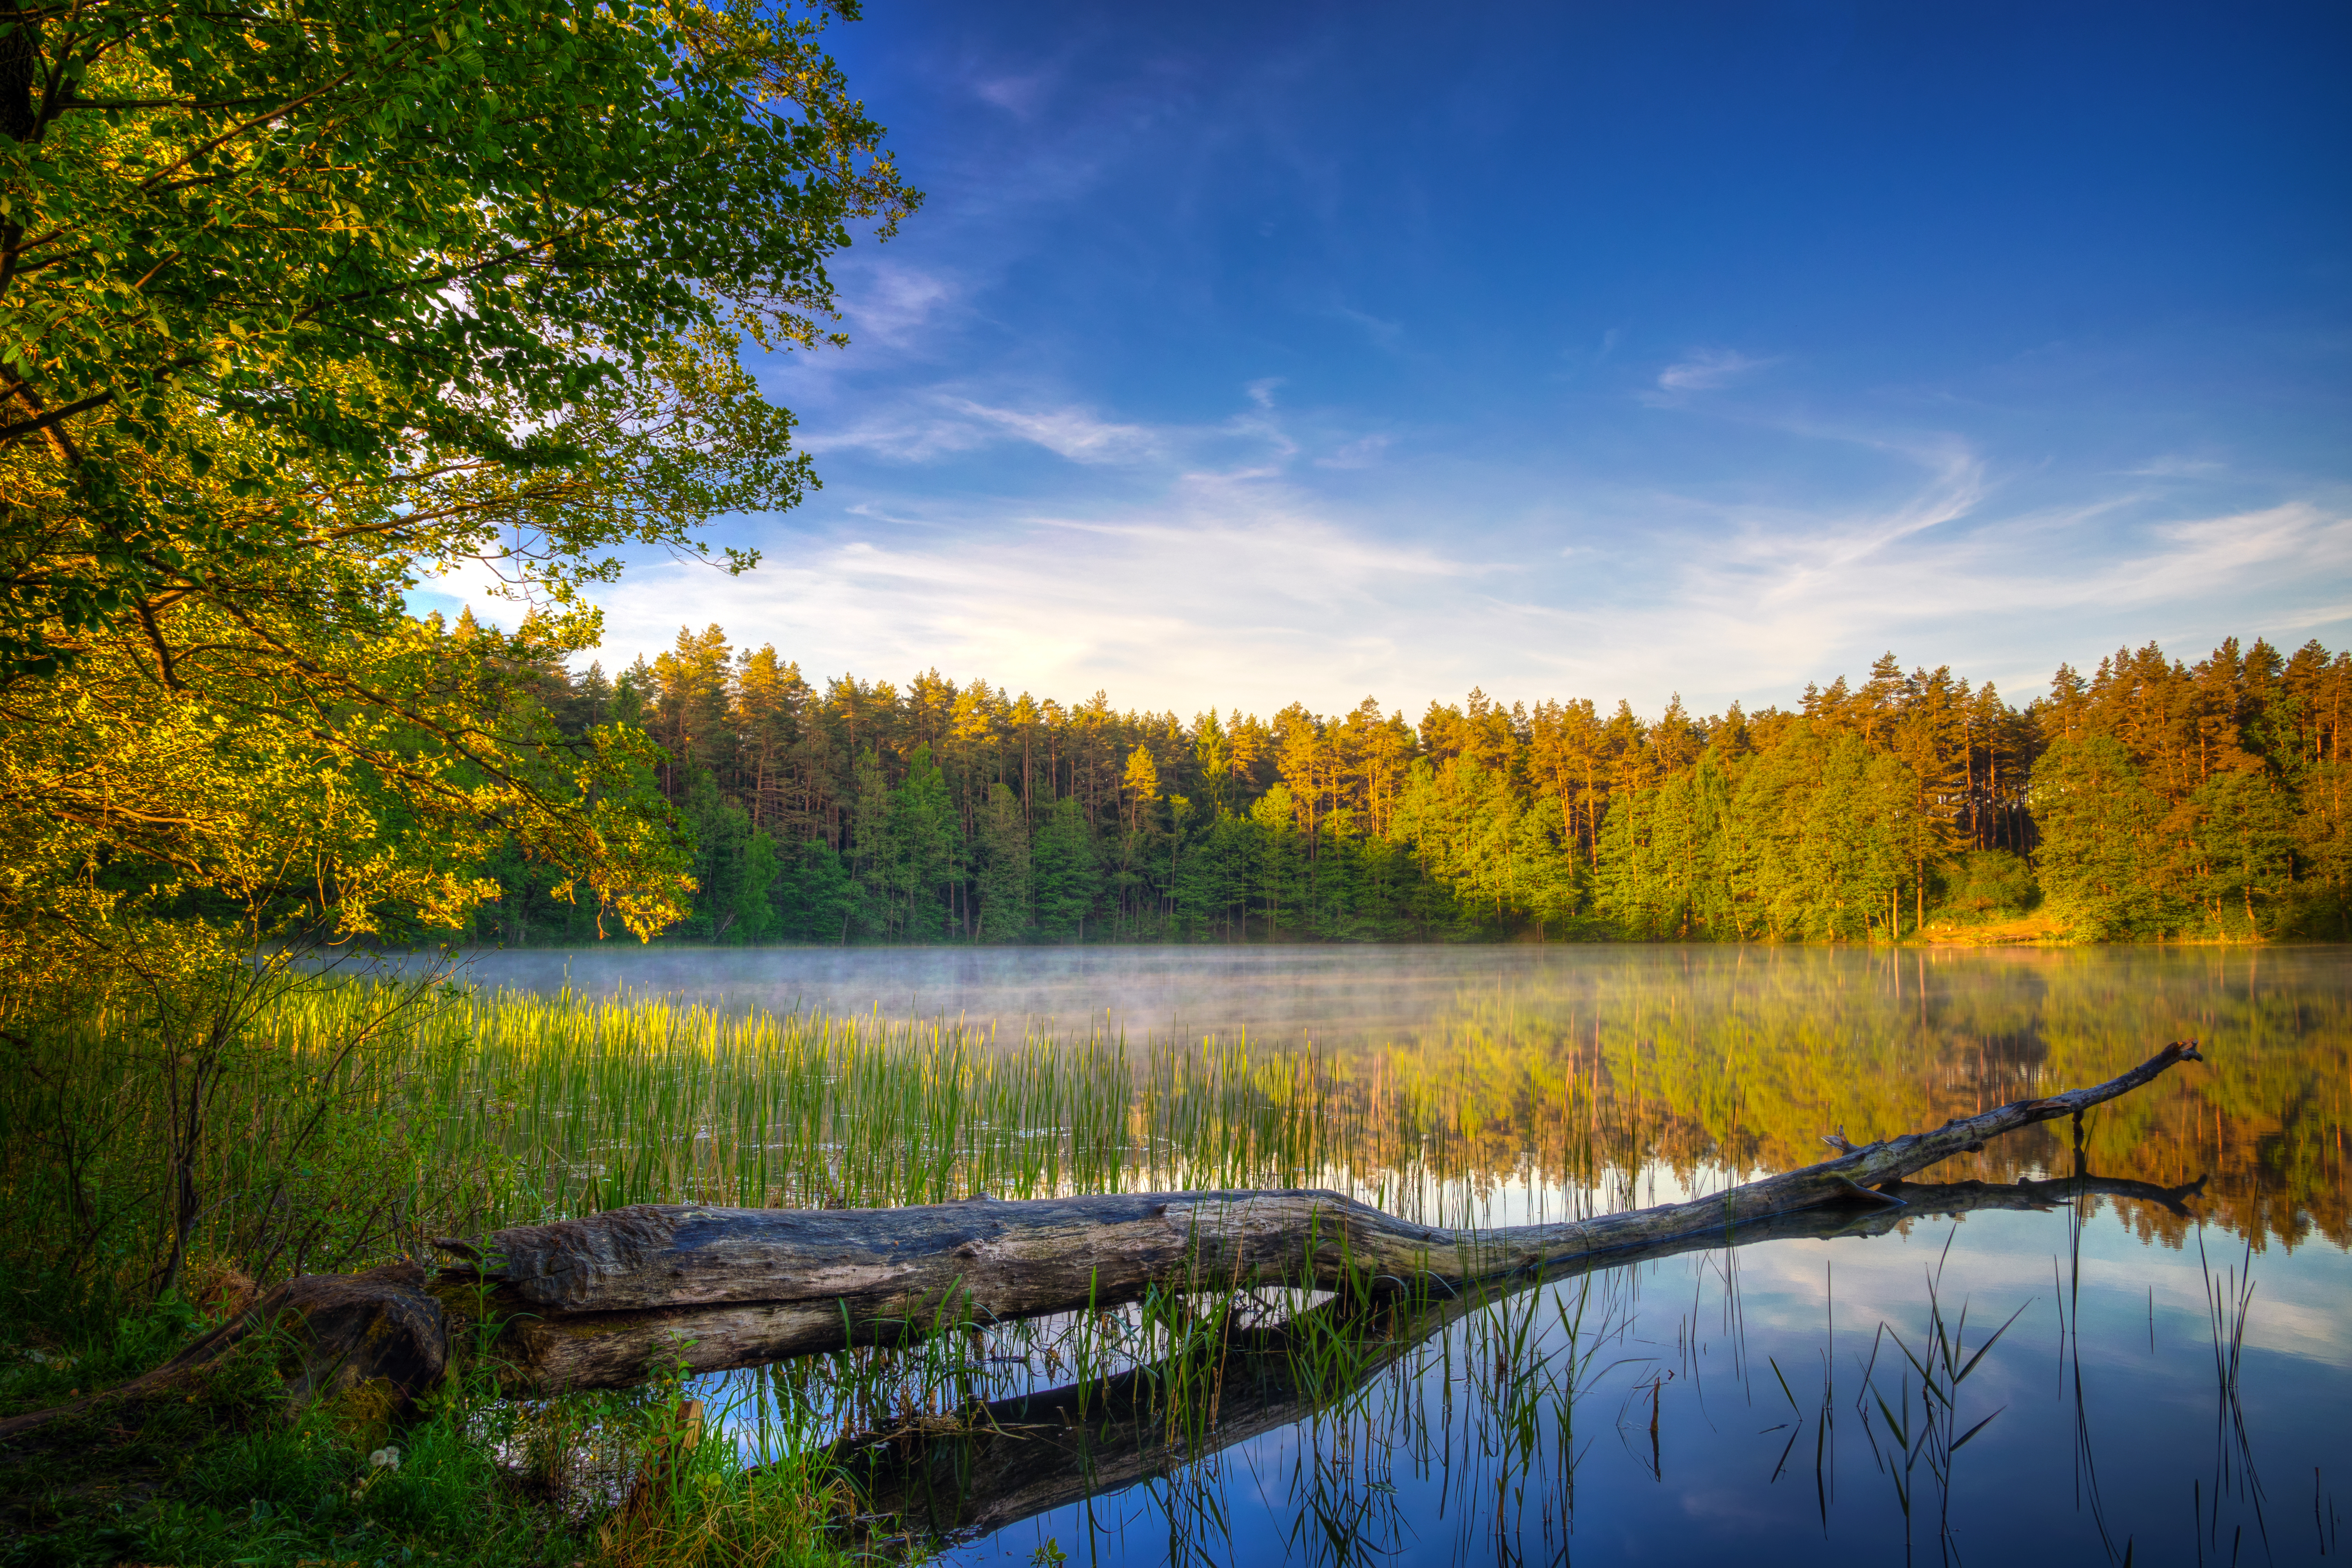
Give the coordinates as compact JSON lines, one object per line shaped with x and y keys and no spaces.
{"x":995,"y":1464}
{"x":596,"y":1301}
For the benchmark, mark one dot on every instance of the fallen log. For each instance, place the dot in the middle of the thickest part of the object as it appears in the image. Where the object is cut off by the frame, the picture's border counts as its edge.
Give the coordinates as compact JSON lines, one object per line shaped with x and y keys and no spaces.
{"x":995,"y":1464}
{"x":597,"y":1302}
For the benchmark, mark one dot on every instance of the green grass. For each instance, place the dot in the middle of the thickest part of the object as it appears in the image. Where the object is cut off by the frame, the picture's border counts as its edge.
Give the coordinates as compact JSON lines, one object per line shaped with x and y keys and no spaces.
{"x":226,"y":1474}
{"x":460,"y":1113}
{"x":521,"y":1108}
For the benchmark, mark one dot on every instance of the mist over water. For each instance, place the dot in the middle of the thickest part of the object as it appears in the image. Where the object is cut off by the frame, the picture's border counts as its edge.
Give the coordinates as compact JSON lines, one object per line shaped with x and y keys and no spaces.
{"x":1335,"y":995}
{"x":1322,"y":994}
{"x":2173,"y":1385}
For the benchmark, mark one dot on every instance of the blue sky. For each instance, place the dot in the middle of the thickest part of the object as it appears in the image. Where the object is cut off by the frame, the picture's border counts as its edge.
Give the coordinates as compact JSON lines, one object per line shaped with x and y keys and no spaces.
{"x":1246,"y":354}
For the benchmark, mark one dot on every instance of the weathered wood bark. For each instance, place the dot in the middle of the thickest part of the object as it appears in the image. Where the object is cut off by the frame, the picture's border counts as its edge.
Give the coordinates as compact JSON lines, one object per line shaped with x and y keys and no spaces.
{"x":378,"y":1334}
{"x":1011,"y":1459}
{"x":594,"y":1302}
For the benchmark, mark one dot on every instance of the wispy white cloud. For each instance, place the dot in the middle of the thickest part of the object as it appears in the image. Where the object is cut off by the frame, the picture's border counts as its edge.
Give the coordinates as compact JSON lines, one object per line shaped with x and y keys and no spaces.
{"x":1707,"y":370}
{"x":2311,"y":617}
{"x":1385,"y":334}
{"x":938,"y":423}
{"x":1223,"y":596}
{"x":891,"y":304}
{"x":1178,"y":565}
{"x":1021,"y":95}
{"x":1068,"y":433}
{"x":932,"y":426}
{"x":1084,"y":204}
{"x":1753,"y":602}
{"x":1232,"y":589}
{"x":2173,"y":466}
{"x":2215,"y":554}
{"x":1266,"y":444}
{"x":901,"y":435}
{"x":1360,"y":453}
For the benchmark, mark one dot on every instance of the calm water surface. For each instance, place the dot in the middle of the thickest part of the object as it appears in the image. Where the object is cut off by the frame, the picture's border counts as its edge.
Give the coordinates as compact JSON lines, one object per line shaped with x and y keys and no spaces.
{"x":2174,"y":1385}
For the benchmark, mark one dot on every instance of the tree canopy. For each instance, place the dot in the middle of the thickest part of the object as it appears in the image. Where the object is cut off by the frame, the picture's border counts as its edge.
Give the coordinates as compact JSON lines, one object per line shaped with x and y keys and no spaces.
{"x":302,"y":303}
{"x":399,"y":284}
{"x":2152,"y":798}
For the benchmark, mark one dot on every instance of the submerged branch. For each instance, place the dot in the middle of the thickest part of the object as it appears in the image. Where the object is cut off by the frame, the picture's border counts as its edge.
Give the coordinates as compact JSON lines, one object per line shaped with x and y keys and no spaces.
{"x":995,"y":1464}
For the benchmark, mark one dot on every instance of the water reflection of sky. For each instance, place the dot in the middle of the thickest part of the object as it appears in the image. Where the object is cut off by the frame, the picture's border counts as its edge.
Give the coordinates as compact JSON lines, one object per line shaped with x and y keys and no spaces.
{"x":2112,"y":1434}
{"x":2131,"y":1436}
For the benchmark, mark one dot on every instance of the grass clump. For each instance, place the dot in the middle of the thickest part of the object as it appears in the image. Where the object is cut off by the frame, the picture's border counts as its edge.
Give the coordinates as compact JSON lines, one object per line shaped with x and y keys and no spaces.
{"x":220,"y":1468}
{"x":224,"y":1472}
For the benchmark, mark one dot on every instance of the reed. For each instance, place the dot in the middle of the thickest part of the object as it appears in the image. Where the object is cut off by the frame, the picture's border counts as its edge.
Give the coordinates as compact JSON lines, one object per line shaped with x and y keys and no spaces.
{"x":1927,"y":1434}
{"x":2228,"y":1301}
{"x":473,"y":1111}
{"x":559,"y":1105}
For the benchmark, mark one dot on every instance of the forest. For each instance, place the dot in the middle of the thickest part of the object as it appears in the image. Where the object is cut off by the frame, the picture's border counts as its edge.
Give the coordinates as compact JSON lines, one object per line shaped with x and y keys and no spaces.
{"x":2151,"y":800}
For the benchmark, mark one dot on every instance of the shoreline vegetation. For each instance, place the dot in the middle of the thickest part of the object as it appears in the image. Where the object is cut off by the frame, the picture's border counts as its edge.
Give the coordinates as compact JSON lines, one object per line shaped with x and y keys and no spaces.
{"x":2153,"y":800}
{"x":2036,"y":930}
{"x":470,"y":1111}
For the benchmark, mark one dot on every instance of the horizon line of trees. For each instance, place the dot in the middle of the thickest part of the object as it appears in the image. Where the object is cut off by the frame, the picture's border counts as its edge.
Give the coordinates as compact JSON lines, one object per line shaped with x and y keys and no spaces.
{"x":2150,"y":800}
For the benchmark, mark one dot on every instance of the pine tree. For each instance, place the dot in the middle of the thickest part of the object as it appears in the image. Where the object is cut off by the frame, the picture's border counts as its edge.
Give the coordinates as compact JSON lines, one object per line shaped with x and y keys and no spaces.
{"x":1005,"y":912}
{"x":1064,"y":872}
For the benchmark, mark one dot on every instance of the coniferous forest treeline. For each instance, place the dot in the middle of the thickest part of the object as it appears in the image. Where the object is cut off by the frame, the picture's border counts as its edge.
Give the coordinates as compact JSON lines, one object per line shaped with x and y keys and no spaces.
{"x":2151,"y":800}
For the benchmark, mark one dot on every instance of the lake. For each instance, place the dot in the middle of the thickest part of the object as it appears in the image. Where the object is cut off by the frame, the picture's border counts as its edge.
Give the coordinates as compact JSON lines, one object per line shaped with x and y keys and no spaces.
{"x":2172,"y":1384}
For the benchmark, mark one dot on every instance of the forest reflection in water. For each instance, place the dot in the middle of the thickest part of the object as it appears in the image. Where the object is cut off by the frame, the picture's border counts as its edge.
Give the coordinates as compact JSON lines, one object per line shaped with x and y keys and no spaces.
{"x":2171,"y":1386}
{"x":1619,"y":1074}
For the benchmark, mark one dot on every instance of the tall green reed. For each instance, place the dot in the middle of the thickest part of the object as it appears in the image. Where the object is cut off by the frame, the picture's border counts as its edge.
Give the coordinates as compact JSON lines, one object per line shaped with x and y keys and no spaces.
{"x":518,"y":1108}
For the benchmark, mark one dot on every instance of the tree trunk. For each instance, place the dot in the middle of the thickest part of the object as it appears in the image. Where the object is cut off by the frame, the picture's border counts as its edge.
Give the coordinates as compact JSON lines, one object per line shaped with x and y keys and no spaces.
{"x":188,"y":1203}
{"x":593,"y":1302}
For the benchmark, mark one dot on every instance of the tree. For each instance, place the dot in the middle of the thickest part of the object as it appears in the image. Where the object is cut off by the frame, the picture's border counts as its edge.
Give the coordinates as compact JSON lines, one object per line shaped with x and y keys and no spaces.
{"x":2099,"y":864}
{"x":921,"y":830}
{"x":296,"y":304}
{"x":871,"y":854}
{"x":2245,"y":837}
{"x":753,"y":917}
{"x":1142,"y":787}
{"x":416,"y":283}
{"x":815,"y":899}
{"x":1064,"y":872}
{"x":1302,"y":759}
{"x":769,"y":698}
{"x":1005,"y":873}
{"x":1839,"y":824}
{"x":734,"y":867}
{"x":1277,"y":872}
{"x":1374,"y":752}
{"x":1213,"y":756}
{"x":176,"y":839}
